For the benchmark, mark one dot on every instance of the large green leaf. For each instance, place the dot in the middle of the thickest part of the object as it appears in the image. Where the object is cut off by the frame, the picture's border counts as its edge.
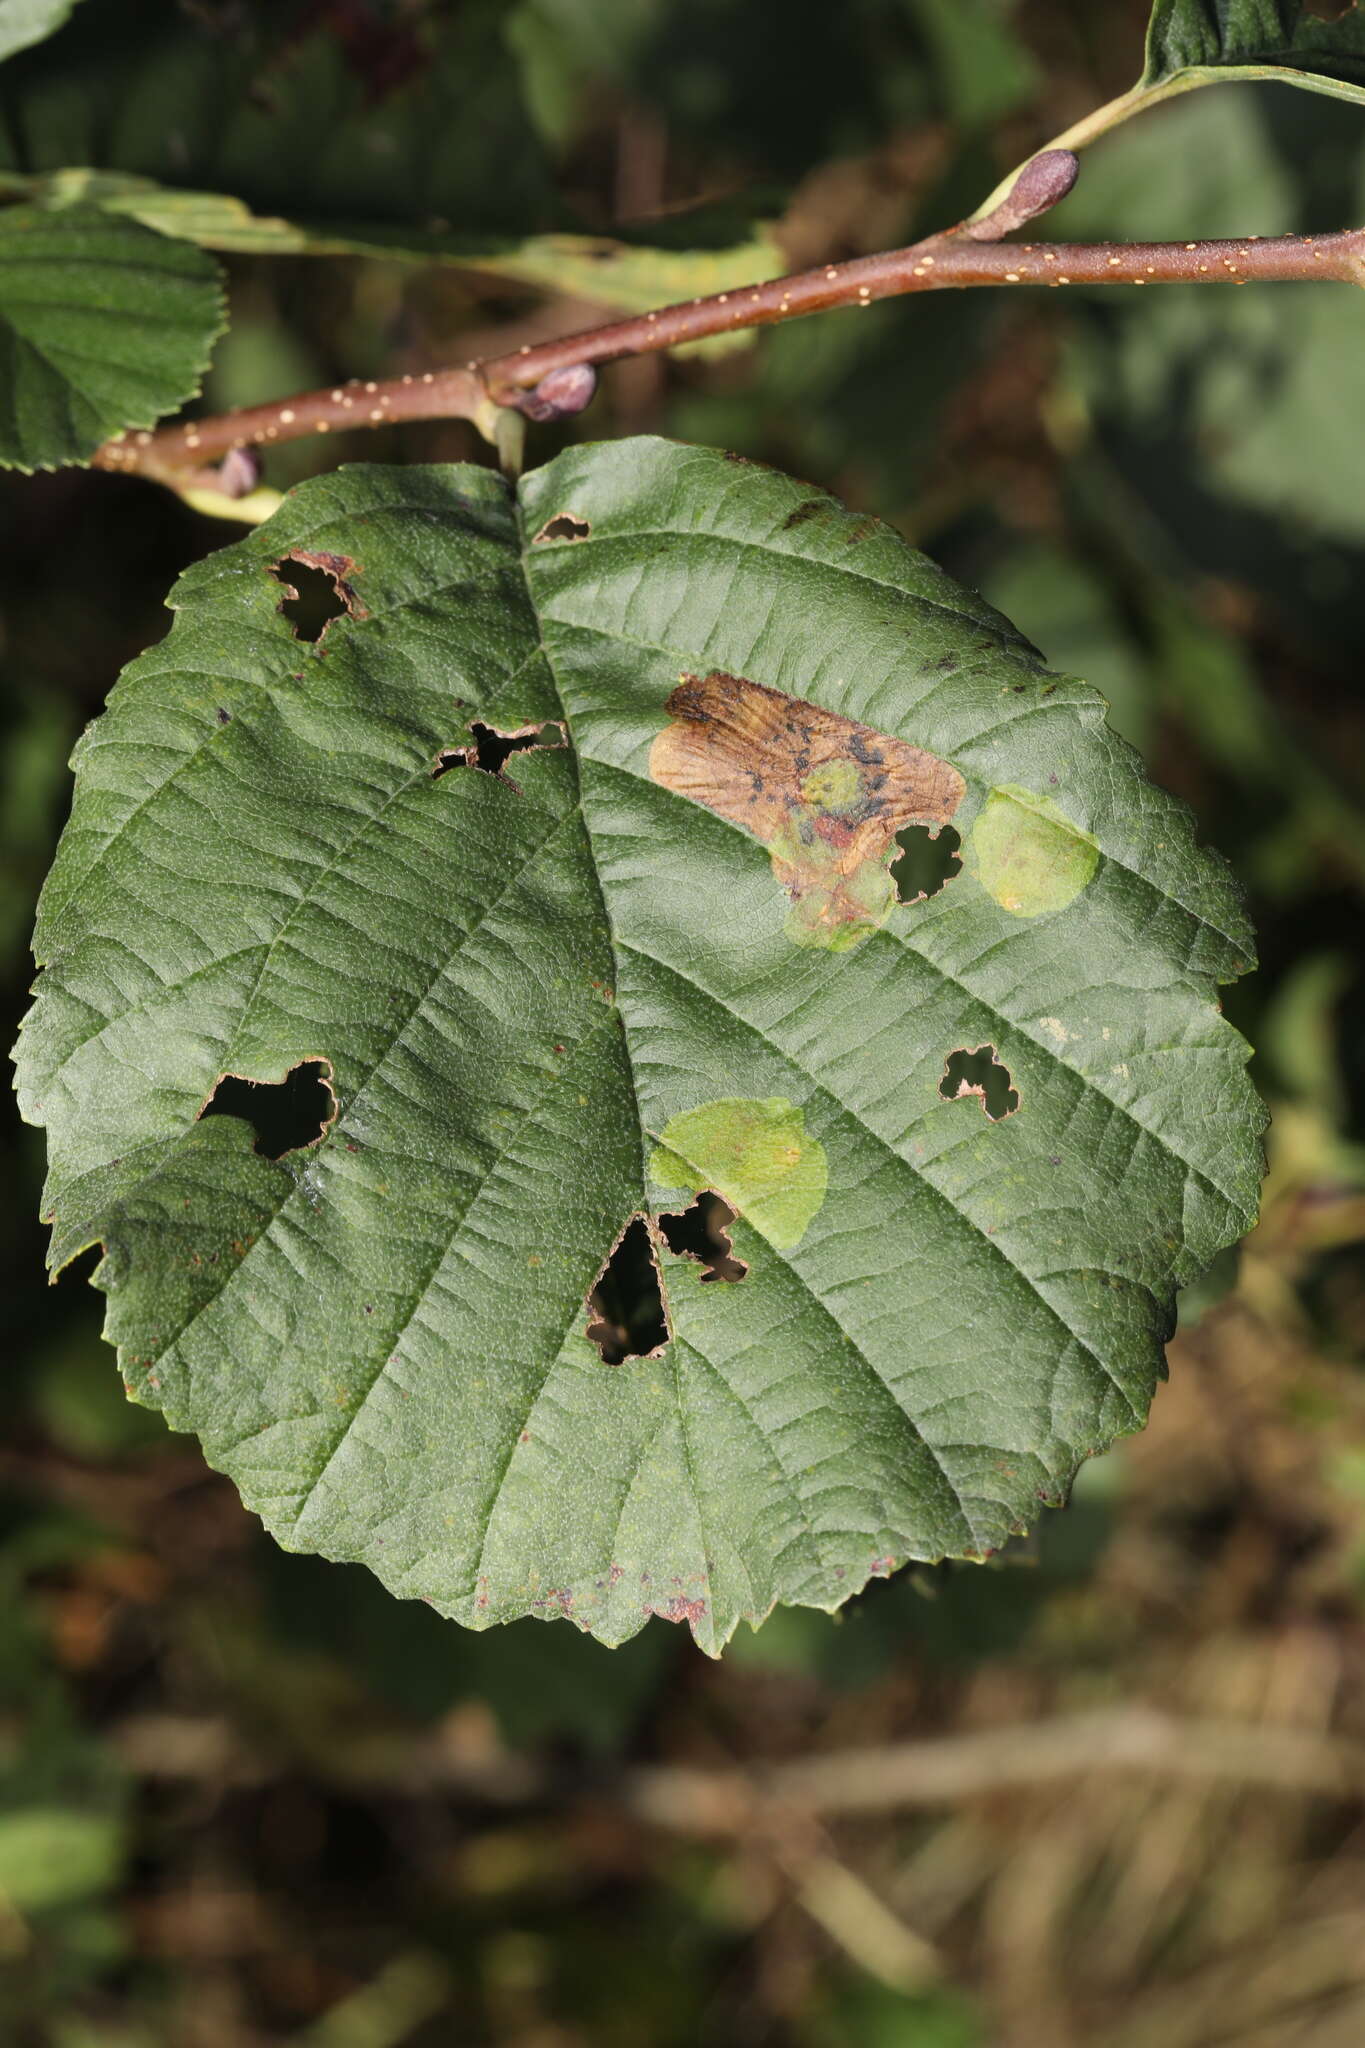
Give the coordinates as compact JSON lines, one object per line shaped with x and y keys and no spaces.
{"x":1196,"y":41}
{"x":103,"y":325}
{"x":662,"y":956}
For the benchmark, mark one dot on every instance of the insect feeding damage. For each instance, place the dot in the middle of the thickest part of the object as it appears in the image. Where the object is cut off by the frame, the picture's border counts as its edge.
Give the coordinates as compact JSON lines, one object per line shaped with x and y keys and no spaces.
{"x":286,"y":1115}
{"x":490,"y":749}
{"x":564,"y":526}
{"x":823,"y":793}
{"x":980,"y":1072}
{"x":320,"y":591}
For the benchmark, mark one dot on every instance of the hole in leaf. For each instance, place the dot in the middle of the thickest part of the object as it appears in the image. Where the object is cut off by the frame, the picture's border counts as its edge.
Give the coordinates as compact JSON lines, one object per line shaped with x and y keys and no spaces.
{"x":703,"y":1233}
{"x":927,"y":860}
{"x":564,"y":526}
{"x":627,"y":1304}
{"x":490,"y":749}
{"x":285,"y":1115}
{"x":316,"y":592}
{"x":981,"y":1074}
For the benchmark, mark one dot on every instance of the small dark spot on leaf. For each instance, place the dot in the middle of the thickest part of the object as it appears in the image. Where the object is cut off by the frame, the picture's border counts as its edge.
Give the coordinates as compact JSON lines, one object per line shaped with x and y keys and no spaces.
{"x":980,"y":1073}
{"x":626,"y":1305}
{"x":702,"y":1232}
{"x":489,"y":748}
{"x":316,"y":591}
{"x":224,"y":716}
{"x":804,"y":511}
{"x":285,"y":1115}
{"x":927,"y":861}
{"x":564,"y":526}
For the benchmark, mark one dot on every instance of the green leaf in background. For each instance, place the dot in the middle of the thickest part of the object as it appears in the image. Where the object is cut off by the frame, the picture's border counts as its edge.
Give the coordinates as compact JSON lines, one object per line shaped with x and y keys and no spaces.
{"x":554,"y":989}
{"x":23,"y":22}
{"x":103,"y":326}
{"x":53,"y":1855}
{"x":1194,"y":42}
{"x":597,"y":268}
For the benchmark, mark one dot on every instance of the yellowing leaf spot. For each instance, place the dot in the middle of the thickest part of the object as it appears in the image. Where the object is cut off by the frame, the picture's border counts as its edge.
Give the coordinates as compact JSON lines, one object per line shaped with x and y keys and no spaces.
{"x":757,"y":1155}
{"x":1030,"y":856}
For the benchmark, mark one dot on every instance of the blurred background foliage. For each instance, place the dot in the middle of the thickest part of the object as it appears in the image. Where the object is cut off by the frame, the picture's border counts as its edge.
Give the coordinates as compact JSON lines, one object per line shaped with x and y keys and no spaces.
{"x":247,"y":1798}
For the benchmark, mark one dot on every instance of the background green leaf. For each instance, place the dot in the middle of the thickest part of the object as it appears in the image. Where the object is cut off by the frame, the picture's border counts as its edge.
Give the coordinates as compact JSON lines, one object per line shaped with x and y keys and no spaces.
{"x":23,"y":22}
{"x":103,"y":326}
{"x":1198,"y":40}
{"x":529,"y":995}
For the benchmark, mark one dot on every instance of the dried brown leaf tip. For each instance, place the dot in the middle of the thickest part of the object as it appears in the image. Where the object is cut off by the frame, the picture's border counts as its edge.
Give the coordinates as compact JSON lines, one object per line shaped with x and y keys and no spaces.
{"x":824,"y":794}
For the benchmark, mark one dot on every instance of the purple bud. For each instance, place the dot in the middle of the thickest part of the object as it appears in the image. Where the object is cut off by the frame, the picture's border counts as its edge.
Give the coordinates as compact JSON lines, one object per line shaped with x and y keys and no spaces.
{"x":1044,"y":181}
{"x":558,"y":394}
{"x":239,"y":472}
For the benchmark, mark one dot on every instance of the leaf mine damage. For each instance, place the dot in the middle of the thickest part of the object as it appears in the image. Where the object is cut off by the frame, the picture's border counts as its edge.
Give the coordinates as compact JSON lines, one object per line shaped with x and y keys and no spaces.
{"x":626,"y":1305}
{"x":825,"y":795}
{"x":702,"y":1232}
{"x":981,"y":1073}
{"x":317,"y":589}
{"x":286,"y":1115}
{"x":490,"y":749}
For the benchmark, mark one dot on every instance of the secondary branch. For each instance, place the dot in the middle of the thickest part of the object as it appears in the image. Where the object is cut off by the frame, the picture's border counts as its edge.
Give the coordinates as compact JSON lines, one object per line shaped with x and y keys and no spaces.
{"x":558,"y":377}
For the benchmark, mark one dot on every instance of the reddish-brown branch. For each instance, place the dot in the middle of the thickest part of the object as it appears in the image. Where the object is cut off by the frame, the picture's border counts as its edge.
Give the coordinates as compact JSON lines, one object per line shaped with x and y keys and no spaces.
{"x":948,"y":262}
{"x":945,"y":263}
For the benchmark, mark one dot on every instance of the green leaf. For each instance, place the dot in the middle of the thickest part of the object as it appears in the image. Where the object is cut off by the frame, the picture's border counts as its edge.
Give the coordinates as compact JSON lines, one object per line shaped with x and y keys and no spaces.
{"x":1196,"y":42}
{"x":658,"y":951}
{"x":53,"y":1855}
{"x":103,"y":326}
{"x":598,"y":268}
{"x":23,"y":22}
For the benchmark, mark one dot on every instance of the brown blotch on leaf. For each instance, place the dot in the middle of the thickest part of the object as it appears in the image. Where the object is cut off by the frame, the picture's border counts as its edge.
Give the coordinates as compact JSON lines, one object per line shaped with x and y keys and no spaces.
{"x":627,"y":1318}
{"x":317,"y":589}
{"x":824,"y":794}
{"x":982,"y":1073}
{"x":286,"y":1115}
{"x":679,"y":1608}
{"x":564,"y":526}
{"x":702,"y":1232}
{"x":490,"y":749}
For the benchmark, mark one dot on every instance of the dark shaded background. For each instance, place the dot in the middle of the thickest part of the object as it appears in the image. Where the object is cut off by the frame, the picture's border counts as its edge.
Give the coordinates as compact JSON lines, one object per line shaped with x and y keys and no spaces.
{"x":249,"y":1799}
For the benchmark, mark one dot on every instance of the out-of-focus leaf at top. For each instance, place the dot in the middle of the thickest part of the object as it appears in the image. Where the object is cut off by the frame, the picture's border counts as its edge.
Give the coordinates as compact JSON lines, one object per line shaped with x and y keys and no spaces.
{"x":297,"y":111}
{"x":104,"y":325}
{"x":1198,"y":41}
{"x":24,"y":22}
{"x":555,"y":883}
{"x":599,"y":268}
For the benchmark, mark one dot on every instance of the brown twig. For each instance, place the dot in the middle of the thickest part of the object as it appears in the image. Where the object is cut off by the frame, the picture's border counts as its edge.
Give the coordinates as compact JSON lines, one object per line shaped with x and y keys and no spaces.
{"x":936,"y":1771}
{"x":555,"y":378}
